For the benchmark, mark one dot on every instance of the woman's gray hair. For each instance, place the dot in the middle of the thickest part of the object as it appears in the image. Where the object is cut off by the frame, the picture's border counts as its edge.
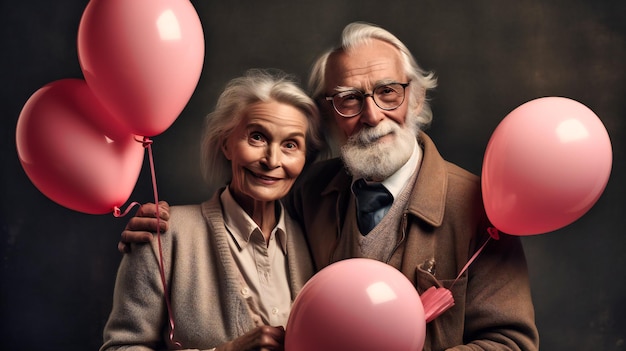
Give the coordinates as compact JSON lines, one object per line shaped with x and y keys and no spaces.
{"x":255,"y":86}
{"x":358,"y":33}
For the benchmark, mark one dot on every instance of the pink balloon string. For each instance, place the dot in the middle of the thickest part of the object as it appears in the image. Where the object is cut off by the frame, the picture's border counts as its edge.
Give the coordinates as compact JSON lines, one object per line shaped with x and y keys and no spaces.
{"x":493,"y":233}
{"x":147,"y":143}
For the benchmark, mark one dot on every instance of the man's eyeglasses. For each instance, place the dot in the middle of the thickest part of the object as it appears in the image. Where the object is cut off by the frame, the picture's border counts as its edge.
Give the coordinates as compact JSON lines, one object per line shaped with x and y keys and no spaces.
{"x":387,"y":97}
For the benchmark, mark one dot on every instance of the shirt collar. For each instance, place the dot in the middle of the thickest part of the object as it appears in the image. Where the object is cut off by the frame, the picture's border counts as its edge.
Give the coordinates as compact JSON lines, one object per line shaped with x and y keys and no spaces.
{"x":241,"y":226}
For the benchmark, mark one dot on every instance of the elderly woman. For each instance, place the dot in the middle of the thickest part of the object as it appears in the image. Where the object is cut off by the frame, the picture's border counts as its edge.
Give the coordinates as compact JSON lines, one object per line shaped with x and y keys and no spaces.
{"x":233,"y":264}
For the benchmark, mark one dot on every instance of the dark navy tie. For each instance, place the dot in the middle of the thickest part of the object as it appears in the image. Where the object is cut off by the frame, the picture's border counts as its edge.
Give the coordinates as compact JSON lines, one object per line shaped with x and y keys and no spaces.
{"x":373,"y":201}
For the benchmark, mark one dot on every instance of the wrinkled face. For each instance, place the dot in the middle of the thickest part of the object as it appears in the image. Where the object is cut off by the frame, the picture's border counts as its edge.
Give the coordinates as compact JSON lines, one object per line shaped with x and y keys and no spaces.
{"x":363,"y":68}
{"x":376,"y":143}
{"x":267,"y":152}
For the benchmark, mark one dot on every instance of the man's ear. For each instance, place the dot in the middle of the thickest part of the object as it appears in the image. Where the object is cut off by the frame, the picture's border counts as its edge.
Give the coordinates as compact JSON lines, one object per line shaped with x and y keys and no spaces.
{"x":420,"y":104}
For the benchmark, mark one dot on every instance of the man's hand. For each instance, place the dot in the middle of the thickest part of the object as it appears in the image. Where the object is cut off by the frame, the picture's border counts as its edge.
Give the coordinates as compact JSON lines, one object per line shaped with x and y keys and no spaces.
{"x":140,"y":228}
{"x":264,"y":338}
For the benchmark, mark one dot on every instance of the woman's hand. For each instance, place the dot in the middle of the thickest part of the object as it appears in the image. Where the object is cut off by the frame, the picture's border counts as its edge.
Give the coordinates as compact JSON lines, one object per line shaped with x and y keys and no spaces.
{"x":264,"y":338}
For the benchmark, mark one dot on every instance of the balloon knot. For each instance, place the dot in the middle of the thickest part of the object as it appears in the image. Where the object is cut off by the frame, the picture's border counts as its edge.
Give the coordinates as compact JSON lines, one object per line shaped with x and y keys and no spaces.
{"x":117,"y":212}
{"x":145,"y":141}
{"x":494,"y":233}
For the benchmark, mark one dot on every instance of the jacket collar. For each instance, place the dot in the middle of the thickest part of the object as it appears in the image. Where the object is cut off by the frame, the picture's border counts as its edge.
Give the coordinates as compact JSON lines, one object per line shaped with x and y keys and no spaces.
{"x":429,"y":194}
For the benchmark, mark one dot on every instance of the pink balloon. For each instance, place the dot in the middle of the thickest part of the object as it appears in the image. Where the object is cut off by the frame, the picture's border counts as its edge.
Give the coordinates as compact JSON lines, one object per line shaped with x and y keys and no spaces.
{"x":70,"y":154}
{"x":545,"y":166}
{"x":356,"y":304}
{"x":142,"y":58}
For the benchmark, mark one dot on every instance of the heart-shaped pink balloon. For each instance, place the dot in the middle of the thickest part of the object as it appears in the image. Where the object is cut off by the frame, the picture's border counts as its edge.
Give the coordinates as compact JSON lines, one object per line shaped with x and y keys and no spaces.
{"x":72,"y":153}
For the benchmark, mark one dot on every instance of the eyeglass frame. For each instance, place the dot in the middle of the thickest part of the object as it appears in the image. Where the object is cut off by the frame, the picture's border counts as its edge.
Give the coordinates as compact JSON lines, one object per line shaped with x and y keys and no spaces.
{"x":331,"y":98}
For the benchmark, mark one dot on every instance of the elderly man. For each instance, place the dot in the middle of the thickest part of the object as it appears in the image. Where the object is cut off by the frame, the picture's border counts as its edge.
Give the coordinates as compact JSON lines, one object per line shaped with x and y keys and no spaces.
{"x":392,"y":197}
{"x":432,"y":219}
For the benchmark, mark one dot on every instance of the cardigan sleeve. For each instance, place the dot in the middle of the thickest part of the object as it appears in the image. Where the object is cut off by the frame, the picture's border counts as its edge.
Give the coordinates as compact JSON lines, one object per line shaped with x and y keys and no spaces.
{"x":138,"y":315}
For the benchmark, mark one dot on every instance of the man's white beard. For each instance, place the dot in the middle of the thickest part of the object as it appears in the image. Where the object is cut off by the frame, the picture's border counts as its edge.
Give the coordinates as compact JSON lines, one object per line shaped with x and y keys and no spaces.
{"x":366,"y":157}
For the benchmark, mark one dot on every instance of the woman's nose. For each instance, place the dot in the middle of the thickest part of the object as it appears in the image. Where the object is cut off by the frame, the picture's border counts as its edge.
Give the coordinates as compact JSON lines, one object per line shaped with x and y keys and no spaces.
{"x":272,"y":157}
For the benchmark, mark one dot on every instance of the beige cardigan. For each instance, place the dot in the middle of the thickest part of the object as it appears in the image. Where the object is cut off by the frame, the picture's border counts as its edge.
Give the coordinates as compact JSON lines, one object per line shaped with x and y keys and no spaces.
{"x":203,"y":279}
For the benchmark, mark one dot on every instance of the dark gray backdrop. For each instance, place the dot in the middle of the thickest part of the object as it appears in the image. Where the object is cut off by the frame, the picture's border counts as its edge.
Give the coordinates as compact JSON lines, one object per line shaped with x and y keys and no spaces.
{"x":58,"y":266}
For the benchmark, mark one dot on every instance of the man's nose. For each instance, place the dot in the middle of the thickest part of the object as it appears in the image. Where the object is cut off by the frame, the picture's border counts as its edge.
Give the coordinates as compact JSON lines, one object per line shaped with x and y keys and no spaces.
{"x":371,"y":114}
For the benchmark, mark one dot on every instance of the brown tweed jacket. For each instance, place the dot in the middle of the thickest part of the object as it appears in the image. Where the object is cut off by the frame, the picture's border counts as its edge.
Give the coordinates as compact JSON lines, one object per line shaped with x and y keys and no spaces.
{"x":444,"y":221}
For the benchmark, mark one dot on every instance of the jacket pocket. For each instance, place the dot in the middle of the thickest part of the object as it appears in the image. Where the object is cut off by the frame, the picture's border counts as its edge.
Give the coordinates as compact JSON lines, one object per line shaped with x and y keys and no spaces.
{"x":447,"y":329}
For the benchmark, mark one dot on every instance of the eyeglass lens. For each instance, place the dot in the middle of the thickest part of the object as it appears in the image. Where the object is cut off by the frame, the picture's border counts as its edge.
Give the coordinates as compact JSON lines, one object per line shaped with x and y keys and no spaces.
{"x":387,"y":97}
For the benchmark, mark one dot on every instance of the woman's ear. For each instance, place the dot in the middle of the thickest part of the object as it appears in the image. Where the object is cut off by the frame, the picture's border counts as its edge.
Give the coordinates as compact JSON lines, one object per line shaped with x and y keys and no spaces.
{"x":225,"y":149}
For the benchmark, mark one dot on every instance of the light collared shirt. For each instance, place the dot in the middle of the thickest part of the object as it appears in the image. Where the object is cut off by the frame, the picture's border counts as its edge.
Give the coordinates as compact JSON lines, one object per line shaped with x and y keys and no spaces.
{"x":263,"y":266}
